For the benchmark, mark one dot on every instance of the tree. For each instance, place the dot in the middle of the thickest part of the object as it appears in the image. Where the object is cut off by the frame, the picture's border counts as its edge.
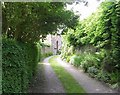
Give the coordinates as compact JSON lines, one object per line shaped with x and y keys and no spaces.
{"x":31,"y":21}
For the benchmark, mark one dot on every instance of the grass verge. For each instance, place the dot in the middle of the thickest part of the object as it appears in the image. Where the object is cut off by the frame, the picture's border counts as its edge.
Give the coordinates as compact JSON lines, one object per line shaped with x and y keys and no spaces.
{"x":69,"y":83}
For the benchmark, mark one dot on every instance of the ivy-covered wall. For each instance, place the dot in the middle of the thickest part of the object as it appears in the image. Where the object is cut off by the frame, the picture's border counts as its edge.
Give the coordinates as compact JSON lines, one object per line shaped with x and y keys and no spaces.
{"x":102,"y":31}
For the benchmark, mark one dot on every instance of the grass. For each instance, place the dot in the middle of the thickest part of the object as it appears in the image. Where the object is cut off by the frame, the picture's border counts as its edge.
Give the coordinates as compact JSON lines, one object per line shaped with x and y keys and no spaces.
{"x":69,"y":83}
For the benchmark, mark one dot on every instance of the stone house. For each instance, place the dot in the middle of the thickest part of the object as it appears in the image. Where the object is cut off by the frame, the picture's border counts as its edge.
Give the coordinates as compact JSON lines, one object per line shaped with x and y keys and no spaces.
{"x":55,"y":42}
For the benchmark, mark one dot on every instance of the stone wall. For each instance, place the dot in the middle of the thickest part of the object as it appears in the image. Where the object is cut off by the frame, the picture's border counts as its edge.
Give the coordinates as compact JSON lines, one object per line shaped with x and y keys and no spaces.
{"x":86,"y":48}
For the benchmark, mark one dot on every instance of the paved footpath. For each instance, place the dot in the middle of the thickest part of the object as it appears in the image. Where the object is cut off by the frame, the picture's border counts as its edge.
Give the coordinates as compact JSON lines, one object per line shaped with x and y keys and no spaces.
{"x":89,"y":84}
{"x":46,"y":80}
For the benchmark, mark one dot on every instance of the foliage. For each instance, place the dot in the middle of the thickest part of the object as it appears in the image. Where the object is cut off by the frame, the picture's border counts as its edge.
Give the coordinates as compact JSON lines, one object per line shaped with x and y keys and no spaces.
{"x":67,"y":50}
{"x":31,"y":21}
{"x":113,"y":77}
{"x":18,"y":65}
{"x":47,"y":54}
{"x":24,"y":24}
{"x":97,"y":29}
{"x":38,"y":45}
{"x":100,"y":30}
{"x":103,"y":76}
{"x":76,"y":60}
{"x":93,"y":71}
{"x":90,"y":60}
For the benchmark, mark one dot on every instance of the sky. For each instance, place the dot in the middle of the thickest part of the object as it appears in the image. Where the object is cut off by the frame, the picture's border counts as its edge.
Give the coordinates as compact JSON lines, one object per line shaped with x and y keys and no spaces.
{"x":85,"y":11}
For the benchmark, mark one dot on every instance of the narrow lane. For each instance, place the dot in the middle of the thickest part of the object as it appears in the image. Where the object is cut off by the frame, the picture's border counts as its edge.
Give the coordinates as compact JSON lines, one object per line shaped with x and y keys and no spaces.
{"x":45,"y":81}
{"x":53,"y":84}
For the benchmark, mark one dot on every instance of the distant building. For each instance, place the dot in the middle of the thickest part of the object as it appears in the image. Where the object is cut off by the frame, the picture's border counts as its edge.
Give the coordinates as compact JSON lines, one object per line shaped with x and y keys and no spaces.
{"x":55,"y":42}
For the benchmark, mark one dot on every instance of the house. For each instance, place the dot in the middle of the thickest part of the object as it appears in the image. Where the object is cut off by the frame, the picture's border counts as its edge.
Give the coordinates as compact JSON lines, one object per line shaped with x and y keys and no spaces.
{"x":55,"y":42}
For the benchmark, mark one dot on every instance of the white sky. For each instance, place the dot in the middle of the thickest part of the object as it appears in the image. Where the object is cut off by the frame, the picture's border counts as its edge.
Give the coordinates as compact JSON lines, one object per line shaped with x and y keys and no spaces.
{"x":85,"y":11}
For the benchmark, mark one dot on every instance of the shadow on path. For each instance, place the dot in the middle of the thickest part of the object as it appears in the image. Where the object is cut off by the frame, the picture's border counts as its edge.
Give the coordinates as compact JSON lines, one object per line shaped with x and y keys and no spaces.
{"x":38,"y":82}
{"x":46,"y":80}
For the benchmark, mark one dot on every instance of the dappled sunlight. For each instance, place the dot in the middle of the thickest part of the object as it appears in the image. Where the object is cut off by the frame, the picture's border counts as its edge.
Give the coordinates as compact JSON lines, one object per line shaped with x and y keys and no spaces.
{"x":61,"y":62}
{"x":46,"y":63}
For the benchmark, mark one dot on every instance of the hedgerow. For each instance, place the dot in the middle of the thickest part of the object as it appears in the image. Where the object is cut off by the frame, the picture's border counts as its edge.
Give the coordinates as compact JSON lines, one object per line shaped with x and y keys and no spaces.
{"x":18,"y":65}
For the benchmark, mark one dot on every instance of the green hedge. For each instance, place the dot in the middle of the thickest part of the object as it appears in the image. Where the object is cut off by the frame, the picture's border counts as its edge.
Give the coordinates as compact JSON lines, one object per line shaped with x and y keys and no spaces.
{"x":46,"y":55}
{"x":19,"y":62}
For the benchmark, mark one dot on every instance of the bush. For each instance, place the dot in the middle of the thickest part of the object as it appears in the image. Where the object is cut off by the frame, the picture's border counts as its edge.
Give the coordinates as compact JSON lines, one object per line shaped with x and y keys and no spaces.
{"x":76,"y":60}
{"x":66,"y":50}
{"x":92,"y":71}
{"x":89,"y":61}
{"x":85,"y":65}
{"x":19,"y":65}
{"x":114,"y":77}
{"x":68,"y":58}
{"x":110,"y":78}
{"x":103,"y":76}
{"x":47,"y":55}
{"x":108,"y":64}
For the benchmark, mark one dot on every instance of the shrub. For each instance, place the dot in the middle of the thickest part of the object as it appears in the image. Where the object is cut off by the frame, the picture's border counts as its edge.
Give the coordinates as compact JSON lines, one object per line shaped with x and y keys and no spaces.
{"x":92,"y":71}
{"x":39,"y":51}
{"x":103,"y":76}
{"x":72,"y":59}
{"x":76,"y":60}
{"x":47,"y":54}
{"x":18,"y":65}
{"x":89,"y":61}
{"x":114,"y":78}
{"x":85,"y":65}
{"x":68,"y":58}
{"x":66,"y":49}
{"x":108,"y":64}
